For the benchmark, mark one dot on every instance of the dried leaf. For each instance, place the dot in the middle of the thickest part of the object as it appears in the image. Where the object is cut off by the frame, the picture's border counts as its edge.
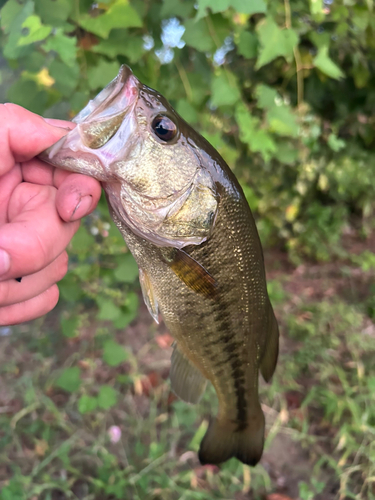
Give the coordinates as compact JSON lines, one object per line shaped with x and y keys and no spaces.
{"x":278,"y":496}
{"x":164,"y":340}
{"x":41,"y":447}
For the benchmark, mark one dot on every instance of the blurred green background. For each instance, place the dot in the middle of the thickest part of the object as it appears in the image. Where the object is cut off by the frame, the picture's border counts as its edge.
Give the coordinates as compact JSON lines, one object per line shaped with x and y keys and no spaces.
{"x":285,"y":90}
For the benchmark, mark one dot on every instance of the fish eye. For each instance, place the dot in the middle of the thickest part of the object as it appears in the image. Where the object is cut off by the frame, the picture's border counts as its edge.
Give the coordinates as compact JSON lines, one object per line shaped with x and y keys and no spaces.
{"x":164,"y":128}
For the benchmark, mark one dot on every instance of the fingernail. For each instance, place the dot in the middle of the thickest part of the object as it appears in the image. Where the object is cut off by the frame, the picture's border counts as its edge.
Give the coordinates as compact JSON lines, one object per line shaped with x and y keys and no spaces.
{"x":82,"y":208}
{"x":4,"y":262}
{"x":53,"y":122}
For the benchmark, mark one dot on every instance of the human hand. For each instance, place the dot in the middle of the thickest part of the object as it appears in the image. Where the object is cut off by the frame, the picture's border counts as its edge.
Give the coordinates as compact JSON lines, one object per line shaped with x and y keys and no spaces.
{"x":40,"y":208}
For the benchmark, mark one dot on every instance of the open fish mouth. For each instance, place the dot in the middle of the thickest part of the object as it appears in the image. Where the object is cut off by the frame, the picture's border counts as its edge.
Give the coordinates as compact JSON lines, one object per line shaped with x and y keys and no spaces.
{"x":107,"y":115}
{"x":115,"y":98}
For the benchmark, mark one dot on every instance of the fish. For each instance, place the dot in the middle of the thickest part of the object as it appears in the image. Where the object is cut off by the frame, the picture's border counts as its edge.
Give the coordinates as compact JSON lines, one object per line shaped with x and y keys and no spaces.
{"x":185,"y":219}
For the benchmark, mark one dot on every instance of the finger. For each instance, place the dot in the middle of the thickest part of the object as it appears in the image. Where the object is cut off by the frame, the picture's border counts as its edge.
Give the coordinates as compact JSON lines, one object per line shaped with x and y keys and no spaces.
{"x":13,"y":292}
{"x":35,"y":132}
{"x":60,"y":123}
{"x":37,"y":172}
{"x":77,"y":195}
{"x":30,"y":309}
{"x":35,"y":235}
{"x":8,"y":183}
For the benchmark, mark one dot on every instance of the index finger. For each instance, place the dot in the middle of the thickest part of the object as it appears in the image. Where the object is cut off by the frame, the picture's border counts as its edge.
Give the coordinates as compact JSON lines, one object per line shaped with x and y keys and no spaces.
{"x":37,"y":134}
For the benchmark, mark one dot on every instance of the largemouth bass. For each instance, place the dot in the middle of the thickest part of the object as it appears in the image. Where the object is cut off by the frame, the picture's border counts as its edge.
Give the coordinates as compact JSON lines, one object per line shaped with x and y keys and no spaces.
{"x":185,"y":219}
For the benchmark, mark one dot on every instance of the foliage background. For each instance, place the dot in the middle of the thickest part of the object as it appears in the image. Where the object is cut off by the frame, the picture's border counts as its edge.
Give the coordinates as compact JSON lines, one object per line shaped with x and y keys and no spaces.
{"x":285,"y":91}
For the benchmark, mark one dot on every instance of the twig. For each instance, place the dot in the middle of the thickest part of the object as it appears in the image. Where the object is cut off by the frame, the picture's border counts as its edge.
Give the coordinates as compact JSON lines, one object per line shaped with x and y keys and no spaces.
{"x":297,"y":57}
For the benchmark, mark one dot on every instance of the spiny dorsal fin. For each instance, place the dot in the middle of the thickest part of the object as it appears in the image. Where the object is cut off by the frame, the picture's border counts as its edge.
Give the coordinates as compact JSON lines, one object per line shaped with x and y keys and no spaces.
{"x":193,"y":274}
{"x":187,"y":382}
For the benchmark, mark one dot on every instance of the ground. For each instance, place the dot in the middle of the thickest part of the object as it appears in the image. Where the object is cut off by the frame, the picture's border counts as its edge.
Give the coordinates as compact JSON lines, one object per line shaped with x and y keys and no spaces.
{"x":64,"y":402}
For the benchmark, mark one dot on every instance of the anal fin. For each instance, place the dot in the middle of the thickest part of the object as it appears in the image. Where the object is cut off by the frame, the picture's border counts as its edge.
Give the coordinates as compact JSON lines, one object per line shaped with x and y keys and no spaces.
{"x":149,"y":295}
{"x":186,"y":380}
{"x":193,"y":274}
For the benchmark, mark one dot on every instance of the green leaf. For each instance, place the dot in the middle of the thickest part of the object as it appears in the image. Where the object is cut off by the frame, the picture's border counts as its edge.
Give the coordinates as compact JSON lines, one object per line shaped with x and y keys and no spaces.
{"x":127,"y":269}
{"x":10,"y":13}
{"x":200,"y":89}
{"x":36,"y":31}
{"x":131,"y":301}
{"x":251,"y":134}
{"x":316,"y":7}
{"x":114,"y":354}
{"x":224,"y":90}
{"x":266,"y":96}
{"x":361,"y":74}
{"x":187,"y":111}
{"x":65,"y":46}
{"x":335,"y":143}
{"x":325,"y":64}
{"x":287,"y":152}
{"x":120,"y":42}
{"x":206,"y":35}
{"x":66,"y":79}
{"x":26,"y":93}
{"x":98,"y":76}
{"x":78,"y":100}
{"x":247,"y":44}
{"x":14,"y":17}
{"x":87,"y":403}
{"x":107,"y":397}
{"x":174,"y":8}
{"x":82,"y":241}
{"x":69,"y":380}
{"x":197,"y":35}
{"x":241,"y":6}
{"x":53,"y":12}
{"x":128,"y":312}
{"x":274,"y":42}
{"x":69,"y":326}
{"x":250,"y":196}
{"x":70,"y":289}
{"x":198,"y":436}
{"x":119,"y":15}
{"x":282,"y":121}
{"x":107,"y":309}
{"x":34,"y":62}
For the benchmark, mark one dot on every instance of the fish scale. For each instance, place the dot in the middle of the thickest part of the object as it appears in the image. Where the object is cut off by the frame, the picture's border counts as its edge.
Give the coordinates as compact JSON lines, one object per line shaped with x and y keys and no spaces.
{"x":185,"y":219}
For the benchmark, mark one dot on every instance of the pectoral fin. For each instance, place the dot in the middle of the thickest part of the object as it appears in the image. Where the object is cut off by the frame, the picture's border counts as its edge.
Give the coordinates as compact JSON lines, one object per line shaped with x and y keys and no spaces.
{"x":149,"y":295}
{"x":186,"y":380}
{"x":193,"y":274}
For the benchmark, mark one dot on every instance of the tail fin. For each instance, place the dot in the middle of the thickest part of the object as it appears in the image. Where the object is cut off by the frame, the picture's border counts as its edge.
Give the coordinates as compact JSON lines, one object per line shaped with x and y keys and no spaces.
{"x":226,"y":439}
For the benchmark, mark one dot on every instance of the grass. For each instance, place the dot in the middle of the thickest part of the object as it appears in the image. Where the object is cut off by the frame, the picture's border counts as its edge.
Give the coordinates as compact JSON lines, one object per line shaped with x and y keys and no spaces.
{"x":61,"y":395}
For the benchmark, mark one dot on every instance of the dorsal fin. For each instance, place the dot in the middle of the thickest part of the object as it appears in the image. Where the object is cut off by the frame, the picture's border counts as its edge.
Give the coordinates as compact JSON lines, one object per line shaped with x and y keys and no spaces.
{"x":271,"y":349}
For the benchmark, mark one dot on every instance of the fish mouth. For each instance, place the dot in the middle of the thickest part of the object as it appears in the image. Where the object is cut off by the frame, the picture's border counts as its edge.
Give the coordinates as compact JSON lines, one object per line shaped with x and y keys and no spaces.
{"x":115,"y":98}
{"x":103,"y":129}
